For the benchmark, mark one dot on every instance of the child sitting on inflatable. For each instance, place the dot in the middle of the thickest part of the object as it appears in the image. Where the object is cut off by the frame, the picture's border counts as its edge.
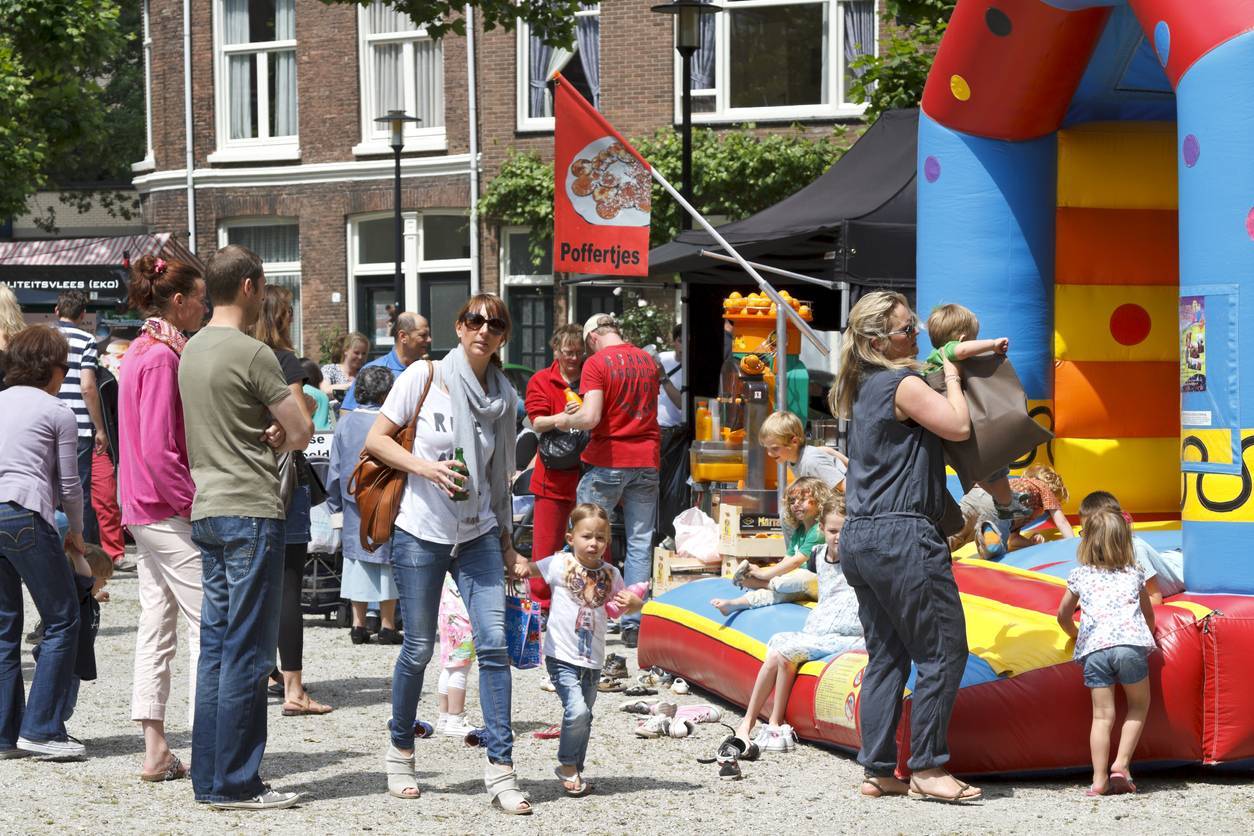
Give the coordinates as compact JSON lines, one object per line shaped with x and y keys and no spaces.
{"x":1164,"y":573}
{"x":1112,"y":643}
{"x":786,"y":580}
{"x":784,"y":439}
{"x":831,"y":627}
{"x":1040,"y":490}
{"x":574,"y":642}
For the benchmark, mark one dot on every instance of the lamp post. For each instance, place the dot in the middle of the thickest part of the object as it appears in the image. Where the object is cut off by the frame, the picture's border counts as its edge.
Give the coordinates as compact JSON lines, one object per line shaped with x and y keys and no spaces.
{"x":688,"y":14}
{"x":396,"y":120}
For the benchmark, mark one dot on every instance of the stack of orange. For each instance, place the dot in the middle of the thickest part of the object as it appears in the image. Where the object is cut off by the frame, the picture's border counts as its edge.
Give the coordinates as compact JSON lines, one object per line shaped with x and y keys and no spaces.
{"x":737,"y":306}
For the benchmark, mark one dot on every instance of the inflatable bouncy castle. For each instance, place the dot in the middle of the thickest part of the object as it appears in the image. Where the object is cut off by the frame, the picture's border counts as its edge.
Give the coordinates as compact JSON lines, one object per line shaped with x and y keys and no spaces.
{"x":1086,"y":186}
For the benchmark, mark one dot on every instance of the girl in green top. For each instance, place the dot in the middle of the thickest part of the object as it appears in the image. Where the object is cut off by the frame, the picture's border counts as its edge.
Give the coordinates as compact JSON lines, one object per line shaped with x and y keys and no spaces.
{"x":787,"y":580}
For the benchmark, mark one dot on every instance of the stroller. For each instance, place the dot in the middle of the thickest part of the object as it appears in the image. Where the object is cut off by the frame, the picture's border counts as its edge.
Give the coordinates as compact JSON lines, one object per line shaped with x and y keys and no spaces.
{"x":324,"y":565}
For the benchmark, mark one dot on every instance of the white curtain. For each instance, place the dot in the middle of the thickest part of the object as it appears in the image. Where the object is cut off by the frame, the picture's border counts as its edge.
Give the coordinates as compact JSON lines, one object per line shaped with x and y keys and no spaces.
{"x":429,"y":83}
{"x":703,"y":58}
{"x":588,"y":39}
{"x":538,"y":55}
{"x":283,"y":106}
{"x":241,"y":84}
{"x":382,"y":18}
{"x":859,"y":31}
{"x":387,"y":78}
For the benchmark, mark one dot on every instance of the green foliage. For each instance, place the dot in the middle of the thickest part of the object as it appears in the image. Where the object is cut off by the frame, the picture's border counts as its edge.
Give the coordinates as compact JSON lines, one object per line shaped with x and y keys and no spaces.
{"x":71,"y":96}
{"x":553,"y":21}
{"x":736,"y":174}
{"x":644,"y":322}
{"x":329,"y":340}
{"x":896,"y":76}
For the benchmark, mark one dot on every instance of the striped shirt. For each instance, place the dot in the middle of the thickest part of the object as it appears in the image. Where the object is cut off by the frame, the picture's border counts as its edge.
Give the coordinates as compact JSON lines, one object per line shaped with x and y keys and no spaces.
{"x":82,"y":356}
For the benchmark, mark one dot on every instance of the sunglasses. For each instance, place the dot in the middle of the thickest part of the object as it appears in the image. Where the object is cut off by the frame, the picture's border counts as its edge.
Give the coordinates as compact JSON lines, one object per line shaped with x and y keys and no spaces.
{"x":909,"y":331}
{"x":475,"y":321}
{"x":64,"y":367}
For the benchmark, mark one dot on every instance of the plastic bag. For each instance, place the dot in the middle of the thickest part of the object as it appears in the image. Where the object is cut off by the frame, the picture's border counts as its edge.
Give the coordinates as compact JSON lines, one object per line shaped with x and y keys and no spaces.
{"x":324,"y":536}
{"x":696,"y":535}
{"x":522,"y":629}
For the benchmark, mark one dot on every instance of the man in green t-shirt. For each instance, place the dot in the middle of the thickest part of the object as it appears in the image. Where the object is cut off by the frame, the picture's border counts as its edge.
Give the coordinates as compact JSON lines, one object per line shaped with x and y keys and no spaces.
{"x":239,"y":414}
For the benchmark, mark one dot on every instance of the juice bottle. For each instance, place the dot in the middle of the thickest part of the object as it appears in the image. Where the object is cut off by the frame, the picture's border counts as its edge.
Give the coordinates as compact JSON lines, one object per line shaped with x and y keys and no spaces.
{"x":705,"y":424}
{"x":571,"y":397}
{"x":461,"y":495}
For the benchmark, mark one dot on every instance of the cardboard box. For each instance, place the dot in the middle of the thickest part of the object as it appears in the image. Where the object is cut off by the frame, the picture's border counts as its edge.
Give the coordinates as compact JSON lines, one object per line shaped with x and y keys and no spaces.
{"x":733,"y":541}
{"x":670,"y":570}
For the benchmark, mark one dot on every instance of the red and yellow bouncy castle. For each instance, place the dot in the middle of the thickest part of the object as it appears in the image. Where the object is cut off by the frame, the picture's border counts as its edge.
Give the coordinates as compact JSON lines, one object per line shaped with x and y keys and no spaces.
{"x":1085,"y":186}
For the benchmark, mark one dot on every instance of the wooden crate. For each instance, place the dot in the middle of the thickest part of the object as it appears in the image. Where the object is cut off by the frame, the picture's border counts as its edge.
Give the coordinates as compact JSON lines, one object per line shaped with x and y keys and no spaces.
{"x":670,"y":570}
{"x":732,"y":542}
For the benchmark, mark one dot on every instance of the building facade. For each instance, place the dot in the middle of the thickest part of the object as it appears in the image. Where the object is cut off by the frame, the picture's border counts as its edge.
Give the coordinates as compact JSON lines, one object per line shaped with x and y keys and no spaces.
{"x":283,"y":154}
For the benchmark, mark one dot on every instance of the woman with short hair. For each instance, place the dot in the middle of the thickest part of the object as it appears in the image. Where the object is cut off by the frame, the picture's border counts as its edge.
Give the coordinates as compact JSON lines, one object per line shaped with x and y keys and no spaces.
{"x":38,"y":471}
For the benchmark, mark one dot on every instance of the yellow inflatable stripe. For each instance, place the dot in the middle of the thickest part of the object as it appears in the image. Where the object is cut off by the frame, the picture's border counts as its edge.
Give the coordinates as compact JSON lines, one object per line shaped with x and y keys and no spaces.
{"x":1214,"y":489}
{"x":1143,"y":472}
{"x":1118,"y":165}
{"x":1012,"y":639}
{"x":1083,"y":317}
{"x":727,"y":635}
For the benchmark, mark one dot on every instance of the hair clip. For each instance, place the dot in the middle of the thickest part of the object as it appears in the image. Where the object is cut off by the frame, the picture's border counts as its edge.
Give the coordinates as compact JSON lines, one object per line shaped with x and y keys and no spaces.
{"x":158,"y":267}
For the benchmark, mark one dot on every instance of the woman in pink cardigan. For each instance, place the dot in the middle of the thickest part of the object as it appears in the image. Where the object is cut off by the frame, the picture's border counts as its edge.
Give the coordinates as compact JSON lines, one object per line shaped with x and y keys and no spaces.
{"x":156,"y":490}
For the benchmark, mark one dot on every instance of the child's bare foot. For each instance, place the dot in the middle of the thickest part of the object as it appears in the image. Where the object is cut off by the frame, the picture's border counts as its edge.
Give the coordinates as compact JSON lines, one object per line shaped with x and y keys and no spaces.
{"x":724,"y":606}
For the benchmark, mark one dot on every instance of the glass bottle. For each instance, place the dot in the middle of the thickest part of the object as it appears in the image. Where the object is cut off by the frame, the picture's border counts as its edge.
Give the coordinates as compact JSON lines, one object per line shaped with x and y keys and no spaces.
{"x":461,"y":494}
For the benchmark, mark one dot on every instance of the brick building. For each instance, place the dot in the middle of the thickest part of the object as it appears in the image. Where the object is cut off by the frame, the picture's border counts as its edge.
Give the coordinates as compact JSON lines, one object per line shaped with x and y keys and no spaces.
{"x":285,"y":156}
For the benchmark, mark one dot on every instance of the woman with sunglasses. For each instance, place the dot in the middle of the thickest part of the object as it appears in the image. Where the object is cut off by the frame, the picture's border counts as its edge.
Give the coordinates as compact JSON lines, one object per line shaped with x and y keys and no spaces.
{"x":892,"y":549}
{"x":455,"y":518}
{"x":38,"y":471}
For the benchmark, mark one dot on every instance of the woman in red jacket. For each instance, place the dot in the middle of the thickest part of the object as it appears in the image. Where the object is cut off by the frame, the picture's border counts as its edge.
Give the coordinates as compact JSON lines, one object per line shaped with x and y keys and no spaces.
{"x":554,"y":489}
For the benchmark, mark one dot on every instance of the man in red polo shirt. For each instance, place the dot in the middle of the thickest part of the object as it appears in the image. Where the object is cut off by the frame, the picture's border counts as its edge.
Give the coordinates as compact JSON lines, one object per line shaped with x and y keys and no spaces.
{"x":620,"y":388}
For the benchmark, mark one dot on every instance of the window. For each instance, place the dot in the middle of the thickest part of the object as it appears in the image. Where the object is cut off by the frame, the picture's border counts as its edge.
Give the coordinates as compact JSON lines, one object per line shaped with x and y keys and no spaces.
{"x":256,"y":67}
{"x":277,"y":242}
{"x":580,"y":64}
{"x":401,"y":69}
{"x":779,"y":59}
{"x":435,"y":269}
{"x":527,"y":284}
{"x":149,"y":160}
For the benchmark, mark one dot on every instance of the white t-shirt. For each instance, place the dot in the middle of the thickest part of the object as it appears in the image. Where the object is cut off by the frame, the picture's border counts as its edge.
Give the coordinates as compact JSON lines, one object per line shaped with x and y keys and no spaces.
{"x":1167,"y":567}
{"x":426,"y":511}
{"x":670,"y":414}
{"x":575,"y":633}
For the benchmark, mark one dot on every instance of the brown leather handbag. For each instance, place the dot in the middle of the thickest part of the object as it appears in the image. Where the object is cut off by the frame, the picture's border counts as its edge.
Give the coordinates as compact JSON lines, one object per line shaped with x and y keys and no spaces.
{"x":377,"y":487}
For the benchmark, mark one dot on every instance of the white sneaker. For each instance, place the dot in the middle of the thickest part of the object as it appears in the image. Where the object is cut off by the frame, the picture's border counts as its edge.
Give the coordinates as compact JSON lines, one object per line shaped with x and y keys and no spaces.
{"x":762,"y":736}
{"x":656,"y":726}
{"x":439,"y":724}
{"x":681,"y":728}
{"x":268,"y":800}
{"x":789,"y":736}
{"x":456,"y":726}
{"x":56,"y":749}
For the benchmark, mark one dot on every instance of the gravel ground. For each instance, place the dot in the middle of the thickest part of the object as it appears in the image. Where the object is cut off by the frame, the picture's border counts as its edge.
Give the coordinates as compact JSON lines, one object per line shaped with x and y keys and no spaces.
{"x":642,"y":785}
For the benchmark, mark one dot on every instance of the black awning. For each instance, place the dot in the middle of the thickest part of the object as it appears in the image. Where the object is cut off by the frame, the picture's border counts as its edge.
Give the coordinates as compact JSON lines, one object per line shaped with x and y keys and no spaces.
{"x":855,"y":223}
{"x":39,"y":284}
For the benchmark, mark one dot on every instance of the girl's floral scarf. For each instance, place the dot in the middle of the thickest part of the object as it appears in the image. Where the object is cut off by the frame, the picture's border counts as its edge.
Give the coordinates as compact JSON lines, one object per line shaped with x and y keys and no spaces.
{"x":163,"y":332}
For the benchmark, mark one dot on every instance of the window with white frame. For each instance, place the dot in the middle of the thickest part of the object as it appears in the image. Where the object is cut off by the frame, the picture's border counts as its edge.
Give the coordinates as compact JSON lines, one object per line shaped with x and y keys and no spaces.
{"x":256,"y":73}
{"x":149,"y":160}
{"x":401,"y":69}
{"x":527,"y":285}
{"x":435,"y":269}
{"x":580,"y":64}
{"x":780,"y":59}
{"x":276,"y":241}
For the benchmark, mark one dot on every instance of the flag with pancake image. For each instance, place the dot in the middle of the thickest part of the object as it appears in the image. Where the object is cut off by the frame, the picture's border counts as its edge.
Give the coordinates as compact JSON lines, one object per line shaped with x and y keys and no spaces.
{"x":602,"y":192}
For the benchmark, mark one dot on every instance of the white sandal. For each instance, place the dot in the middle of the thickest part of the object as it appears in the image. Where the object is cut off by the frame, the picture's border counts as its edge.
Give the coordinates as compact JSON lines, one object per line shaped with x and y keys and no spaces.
{"x":400,"y":773}
{"x":503,"y":787}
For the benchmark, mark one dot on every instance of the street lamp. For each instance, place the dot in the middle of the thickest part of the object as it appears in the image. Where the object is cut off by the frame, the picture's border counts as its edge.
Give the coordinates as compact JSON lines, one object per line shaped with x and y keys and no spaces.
{"x":396,"y":120}
{"x":688,"y":14}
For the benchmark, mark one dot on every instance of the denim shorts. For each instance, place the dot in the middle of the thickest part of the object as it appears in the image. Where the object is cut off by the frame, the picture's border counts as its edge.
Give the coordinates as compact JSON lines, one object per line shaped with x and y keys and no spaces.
{"x":1122,"y":663}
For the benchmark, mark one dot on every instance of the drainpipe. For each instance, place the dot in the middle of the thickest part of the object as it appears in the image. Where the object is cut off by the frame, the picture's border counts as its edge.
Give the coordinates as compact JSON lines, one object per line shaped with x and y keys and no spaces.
{"x":474,"y":150}
{"x":187,"y":124}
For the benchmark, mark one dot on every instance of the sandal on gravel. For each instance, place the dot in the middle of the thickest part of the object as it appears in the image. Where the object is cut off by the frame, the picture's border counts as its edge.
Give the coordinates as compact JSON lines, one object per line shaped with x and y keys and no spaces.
{"x":548,"y":733}
{"x":400,"y":772}
{"x":305,"y":707}
{"x":609,"y":684}
{"x":1093,"y":791}
{"x":503,"y":787}
{"x":920,"y":794}
{"x":1121,"y":784}
{"x":640,"y":691}
{"x":879,"y":787}
{"x":573,"y":785}
{"x":174,"y":770}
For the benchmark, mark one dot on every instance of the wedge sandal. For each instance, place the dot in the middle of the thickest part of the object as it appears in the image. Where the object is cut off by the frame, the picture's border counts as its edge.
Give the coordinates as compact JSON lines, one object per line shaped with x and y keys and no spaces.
{"x":400,"y":774}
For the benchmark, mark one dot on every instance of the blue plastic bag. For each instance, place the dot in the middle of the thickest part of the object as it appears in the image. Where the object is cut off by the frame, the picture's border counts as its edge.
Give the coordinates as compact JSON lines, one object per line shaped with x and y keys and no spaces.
{"x":522,"y":630}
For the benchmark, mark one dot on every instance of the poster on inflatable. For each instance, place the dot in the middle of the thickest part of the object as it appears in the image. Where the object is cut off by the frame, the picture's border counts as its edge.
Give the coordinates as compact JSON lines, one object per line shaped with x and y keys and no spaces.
{"x":602,"y":193}
{"x":1192,"y":344}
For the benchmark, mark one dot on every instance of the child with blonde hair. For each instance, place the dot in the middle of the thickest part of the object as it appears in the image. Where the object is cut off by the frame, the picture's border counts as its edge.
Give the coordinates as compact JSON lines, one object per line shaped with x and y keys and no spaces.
{"x":786,"y":580}
{"x":1112,"y":643}
{"x":783,"y":437}
{"x":574,"y":642}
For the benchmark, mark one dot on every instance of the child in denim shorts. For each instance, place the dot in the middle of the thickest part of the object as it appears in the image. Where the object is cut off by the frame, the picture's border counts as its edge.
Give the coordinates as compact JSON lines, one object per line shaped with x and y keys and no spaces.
{"x":1113,"y":641}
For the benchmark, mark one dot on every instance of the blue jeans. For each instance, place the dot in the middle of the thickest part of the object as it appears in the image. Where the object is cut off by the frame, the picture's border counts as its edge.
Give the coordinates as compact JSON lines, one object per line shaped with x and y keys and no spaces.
{"x":91,"y":529}
{"x":419,"y":567}
{"x":30,"y":553}
{"x":637,"y":489}
{"x":1122,"y":663}
{"x":577,"y":688}
{"x":242,"y":576}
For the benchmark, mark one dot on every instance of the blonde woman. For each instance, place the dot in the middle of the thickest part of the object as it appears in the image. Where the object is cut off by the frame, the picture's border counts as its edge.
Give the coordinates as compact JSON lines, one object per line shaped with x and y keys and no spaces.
{"x":894,"y":554}
{"x":11,"y":320}
{"x":349,"y":357}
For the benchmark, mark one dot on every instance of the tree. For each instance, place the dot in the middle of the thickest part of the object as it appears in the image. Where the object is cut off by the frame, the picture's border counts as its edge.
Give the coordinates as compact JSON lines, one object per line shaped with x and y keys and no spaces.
{"x":553,"y":21}
{"x":896,"y":76}
{"x":71,"y":98}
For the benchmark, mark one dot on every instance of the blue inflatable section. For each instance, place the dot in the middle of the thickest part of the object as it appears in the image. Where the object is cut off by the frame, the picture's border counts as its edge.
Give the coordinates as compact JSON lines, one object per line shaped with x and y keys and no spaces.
{"x":1057,"y":557}
{"x":1124,"y":79}
{"x":761,"y":623}
{"x":986,"y":235}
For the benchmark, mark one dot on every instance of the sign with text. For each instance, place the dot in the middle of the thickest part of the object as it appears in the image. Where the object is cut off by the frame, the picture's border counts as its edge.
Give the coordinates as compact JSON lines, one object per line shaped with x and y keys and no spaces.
{"x":602,"y":194}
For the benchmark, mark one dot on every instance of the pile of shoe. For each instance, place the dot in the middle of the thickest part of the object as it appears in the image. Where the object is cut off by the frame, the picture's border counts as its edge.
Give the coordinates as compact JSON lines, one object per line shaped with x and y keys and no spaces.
{"x":730,"y":753}
{"x":668,"y":719}
{"x":613,"y":673}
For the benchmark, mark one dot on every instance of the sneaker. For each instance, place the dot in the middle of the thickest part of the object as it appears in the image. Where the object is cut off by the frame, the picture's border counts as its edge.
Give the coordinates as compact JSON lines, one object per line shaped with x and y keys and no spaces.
{"x":700,"y":713}
{"x":124,"y":566}
{"x":789,"y":736}
{"x":438,"y":728}
{"x":745,"y":750}
{"x":631,"y":637}
{"x":267,"y":800}
{"x":991,"y":542}
{"x":456,"y":726}
{"x":423,"y":729}
{"x":680,"y":728}
{"x":12,"y":752}
{"x":728,"y":759}
{"x":763,"y":736}
{"x":56,"y":749}
{"x":615,"y":667}
{"x":547,"y":685}
{"x":774,"y":739}
{"x":738,"y":575}
{"x":680,"y":687}
{"x":656,"y":726}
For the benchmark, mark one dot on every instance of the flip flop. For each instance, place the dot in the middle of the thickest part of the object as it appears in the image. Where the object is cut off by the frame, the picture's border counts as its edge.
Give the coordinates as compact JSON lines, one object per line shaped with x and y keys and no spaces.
{"x":1093,"y":791}
{"x":1121,"y":784}
{"x":549,"y":733}
{"x":174,"y":770}
{"x":580,"y":788}
{"x":880,"y":789}
{"x":918,"y":793}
